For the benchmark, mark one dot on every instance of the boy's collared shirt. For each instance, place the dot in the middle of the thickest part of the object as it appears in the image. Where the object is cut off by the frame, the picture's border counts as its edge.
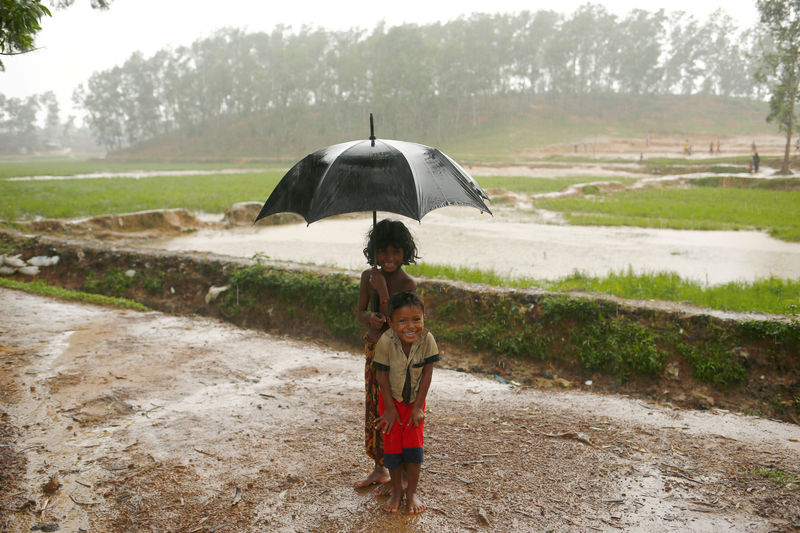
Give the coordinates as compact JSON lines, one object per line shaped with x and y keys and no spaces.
{"x":405,"y":373}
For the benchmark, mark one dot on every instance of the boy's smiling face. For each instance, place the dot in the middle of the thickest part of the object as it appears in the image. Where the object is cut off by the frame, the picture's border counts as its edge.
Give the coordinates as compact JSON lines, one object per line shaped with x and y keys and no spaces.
{"x":389,"y":259}
{"x":408,"y":324}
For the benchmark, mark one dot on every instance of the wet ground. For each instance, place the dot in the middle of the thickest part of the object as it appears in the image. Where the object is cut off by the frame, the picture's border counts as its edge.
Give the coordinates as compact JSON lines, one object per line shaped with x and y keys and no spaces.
{"x":118,"y":420}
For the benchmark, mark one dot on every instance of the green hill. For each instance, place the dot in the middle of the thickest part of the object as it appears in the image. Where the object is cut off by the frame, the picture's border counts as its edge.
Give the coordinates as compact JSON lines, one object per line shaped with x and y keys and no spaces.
{"x":500,"y":128}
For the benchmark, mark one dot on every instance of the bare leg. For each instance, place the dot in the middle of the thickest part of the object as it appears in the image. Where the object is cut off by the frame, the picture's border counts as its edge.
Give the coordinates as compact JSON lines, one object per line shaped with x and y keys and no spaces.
{"x":385,"y":489}
{"x":415,"y":505}
{"x":397,"y":491}
{"x":378,"y":475}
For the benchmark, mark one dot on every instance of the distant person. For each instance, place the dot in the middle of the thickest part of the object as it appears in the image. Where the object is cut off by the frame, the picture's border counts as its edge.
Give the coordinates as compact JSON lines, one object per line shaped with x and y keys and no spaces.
{"x":711,"y":148}
{"x":404,"y":358}
{"x":756,"y":161}
{"x":718,"y":150}
{"x":389,"y":247}
{"x":753,"y":147}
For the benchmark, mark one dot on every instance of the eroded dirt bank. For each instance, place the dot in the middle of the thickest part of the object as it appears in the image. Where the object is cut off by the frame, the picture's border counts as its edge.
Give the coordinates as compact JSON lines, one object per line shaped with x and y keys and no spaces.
{"x":139,"y":421}
{"x":536,"y":338}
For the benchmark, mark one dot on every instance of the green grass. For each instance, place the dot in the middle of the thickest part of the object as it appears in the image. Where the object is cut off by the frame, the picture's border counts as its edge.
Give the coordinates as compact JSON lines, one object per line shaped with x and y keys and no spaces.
{"x":776,"y":476}
{"x":700,"y":208}
{"x":770,"y":295}
{"x":21,"y":200}
{"x":43,"y":289}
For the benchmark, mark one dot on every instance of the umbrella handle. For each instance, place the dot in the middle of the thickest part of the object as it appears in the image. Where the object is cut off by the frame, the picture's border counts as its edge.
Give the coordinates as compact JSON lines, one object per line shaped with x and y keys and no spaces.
{"x":371,"y":130}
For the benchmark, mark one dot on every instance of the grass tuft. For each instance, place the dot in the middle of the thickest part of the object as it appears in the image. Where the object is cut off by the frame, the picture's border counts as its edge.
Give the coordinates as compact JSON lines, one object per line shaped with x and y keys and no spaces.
{"x":43,"y":289}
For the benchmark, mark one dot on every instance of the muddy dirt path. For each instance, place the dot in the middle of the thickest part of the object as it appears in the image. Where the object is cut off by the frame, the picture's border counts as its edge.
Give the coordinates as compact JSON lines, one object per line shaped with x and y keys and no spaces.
{"x":117,"y":420}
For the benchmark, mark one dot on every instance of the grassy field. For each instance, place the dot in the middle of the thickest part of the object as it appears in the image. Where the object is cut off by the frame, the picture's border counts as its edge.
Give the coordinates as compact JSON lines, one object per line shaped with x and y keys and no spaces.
{"x":700,"y":208}
{"x":25,"y":200}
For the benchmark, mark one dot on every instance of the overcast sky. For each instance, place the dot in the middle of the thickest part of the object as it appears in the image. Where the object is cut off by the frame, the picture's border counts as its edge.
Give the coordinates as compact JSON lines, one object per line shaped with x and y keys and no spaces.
{"x":78,"y":41}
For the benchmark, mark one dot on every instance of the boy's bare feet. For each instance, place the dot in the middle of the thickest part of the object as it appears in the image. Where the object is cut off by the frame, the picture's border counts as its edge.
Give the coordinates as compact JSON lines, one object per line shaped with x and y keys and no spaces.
{"x":394,"y":502}
{"x":415,"y":505}
{"x":378,"y":475}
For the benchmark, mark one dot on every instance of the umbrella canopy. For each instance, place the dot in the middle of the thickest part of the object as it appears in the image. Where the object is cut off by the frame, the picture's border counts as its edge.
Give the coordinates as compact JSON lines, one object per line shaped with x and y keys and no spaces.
{"x":399,"y":177}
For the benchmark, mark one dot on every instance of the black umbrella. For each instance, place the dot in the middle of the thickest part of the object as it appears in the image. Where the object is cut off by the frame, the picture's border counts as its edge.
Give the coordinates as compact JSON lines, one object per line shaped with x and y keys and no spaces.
{"x":399,"y":177}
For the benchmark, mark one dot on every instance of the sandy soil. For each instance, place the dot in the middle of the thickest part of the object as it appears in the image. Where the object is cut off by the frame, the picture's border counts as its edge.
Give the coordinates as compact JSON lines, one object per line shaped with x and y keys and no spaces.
{"x":125,"y":421}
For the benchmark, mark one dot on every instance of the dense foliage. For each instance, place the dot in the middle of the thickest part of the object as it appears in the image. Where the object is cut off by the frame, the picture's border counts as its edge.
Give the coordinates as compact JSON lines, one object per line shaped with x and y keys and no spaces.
{"x":19,"y":23}
{"x":423,"y":80}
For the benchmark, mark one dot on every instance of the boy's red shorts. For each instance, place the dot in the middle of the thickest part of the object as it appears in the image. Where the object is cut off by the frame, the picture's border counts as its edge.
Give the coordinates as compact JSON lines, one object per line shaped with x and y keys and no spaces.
{"x":404,"y":443}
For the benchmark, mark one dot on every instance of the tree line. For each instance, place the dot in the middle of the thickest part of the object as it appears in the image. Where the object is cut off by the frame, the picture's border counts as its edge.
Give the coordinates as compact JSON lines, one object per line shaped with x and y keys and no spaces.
{"x":425,"y":81}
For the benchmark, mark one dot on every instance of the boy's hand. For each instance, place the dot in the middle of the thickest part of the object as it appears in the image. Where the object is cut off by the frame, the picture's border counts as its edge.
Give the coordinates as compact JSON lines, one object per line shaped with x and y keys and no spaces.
{"x":387,"y":420}
{"x":417,"y":416}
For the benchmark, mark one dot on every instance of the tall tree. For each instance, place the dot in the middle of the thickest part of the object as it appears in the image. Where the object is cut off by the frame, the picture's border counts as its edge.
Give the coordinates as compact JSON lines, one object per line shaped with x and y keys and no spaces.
{"x":782,"y":21}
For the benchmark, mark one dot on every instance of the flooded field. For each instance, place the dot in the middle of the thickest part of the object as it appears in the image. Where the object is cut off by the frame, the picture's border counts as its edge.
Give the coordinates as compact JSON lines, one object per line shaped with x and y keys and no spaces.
{"x":517,"y":244}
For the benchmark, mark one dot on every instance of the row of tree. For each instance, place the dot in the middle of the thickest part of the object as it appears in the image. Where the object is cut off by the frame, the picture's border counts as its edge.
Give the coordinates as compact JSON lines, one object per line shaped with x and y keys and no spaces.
{"x":19,"y":125}
{"x":425,"y":79}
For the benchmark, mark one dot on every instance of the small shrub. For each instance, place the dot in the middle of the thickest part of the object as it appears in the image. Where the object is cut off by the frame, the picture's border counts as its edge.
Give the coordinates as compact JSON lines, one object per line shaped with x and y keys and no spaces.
{"x":153,"y":284}
{"x":114,"y":283}
{"x":711,"y":364}
{"x":618,"y":347}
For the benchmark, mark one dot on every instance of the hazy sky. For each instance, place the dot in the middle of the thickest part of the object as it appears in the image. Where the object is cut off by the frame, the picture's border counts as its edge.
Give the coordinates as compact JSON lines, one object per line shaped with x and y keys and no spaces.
{"x":78,"y":41}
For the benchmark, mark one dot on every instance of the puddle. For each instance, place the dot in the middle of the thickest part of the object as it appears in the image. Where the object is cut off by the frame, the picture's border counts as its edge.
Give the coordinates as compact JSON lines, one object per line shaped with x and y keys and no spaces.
{"x":517,"y":245}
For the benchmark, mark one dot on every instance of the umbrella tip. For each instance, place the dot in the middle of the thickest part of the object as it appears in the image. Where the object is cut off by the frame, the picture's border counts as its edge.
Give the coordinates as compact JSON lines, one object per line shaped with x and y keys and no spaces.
{"x":371,"y":130}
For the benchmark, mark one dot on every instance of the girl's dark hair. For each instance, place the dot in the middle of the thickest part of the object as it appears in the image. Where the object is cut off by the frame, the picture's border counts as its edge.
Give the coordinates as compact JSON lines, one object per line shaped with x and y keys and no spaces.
{"x":405,"y":299}
{"x":390,"y":232}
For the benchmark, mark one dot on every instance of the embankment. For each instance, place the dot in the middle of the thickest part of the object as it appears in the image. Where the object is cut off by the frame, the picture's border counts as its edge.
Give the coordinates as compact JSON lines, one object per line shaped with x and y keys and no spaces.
{"x":670,"y":354}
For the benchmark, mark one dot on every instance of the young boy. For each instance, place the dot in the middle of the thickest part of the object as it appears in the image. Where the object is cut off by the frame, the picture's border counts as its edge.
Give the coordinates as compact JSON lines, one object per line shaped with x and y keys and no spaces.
{"x":404,"y":358}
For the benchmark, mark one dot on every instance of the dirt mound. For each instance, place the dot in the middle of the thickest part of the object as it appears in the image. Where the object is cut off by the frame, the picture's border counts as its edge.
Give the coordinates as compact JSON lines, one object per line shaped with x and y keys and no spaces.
{"x":163,"y":221}
{"x":245,"y":213}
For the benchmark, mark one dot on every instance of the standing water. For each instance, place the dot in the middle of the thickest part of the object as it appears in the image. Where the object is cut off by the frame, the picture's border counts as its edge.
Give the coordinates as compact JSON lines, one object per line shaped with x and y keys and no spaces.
{"x":515,"y":247}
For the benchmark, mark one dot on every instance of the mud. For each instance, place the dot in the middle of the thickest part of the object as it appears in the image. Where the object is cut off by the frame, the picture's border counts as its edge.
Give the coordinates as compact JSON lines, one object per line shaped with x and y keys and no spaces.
{"x":151,"y":422}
